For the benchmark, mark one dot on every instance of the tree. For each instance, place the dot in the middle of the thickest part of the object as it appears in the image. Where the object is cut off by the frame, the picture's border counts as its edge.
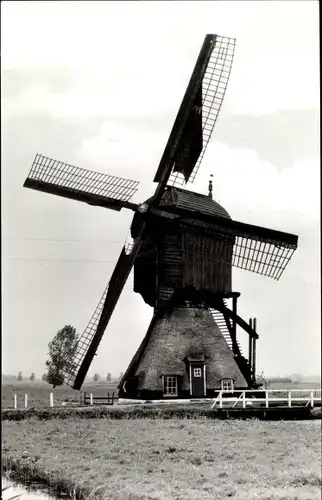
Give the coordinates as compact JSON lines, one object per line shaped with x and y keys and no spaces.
{"x":109,"y":377}
{"x":62,"y":350}
{"x":32,"y":377}
{"x":96,"y":377}
{"x":19,"y":378}
{"x":44,"y":377}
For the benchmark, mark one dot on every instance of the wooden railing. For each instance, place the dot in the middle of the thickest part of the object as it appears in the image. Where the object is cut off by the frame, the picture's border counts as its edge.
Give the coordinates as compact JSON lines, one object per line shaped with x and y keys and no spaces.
{"x":91,"y":400}
{"x":253,"y":398}
{"x":85,"y":398}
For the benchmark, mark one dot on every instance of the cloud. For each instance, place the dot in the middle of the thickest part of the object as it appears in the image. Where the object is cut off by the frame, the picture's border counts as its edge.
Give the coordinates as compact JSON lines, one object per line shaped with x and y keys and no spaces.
{"x":281,"y":138}
{"x":249,"y":185}
{"x":132,"y":59}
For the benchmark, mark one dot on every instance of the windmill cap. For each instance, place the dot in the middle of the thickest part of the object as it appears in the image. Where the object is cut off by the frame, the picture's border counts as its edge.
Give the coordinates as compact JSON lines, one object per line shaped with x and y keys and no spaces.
{"x":194,"y":202}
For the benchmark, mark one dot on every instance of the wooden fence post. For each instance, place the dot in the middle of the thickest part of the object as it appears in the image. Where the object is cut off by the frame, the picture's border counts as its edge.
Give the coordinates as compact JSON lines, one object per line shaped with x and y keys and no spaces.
{"x":289,"y":399}
{"x":51,"y":399}
{"x":26,"y":400}
{"x":266,"y":399}
{"x":15,"y":401}
{"x":91,"y":396}
{"x":312,"y":399}
{"x":220,"y":399}
{"x":244,"y":399}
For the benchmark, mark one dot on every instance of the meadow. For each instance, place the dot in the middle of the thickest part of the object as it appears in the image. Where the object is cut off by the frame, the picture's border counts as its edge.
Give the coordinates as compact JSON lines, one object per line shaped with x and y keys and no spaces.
{"x":167,"y":459}
{"x":153,"y":458}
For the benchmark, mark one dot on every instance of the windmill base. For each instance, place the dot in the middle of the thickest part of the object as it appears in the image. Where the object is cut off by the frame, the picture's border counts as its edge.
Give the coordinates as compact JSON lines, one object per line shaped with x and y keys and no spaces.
{"x":183,"y":356}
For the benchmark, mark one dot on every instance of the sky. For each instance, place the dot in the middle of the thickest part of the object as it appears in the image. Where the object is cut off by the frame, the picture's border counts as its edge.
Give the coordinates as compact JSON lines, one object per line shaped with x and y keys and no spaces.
{"x":98,"y":85}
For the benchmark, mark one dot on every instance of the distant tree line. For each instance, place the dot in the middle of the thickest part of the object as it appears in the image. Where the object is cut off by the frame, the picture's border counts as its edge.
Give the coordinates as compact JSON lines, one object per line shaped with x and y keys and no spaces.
{"x":109,"y":378}
{"x":281,"y":380}
{"x":51,"y":377}
{"x":20,"y":377}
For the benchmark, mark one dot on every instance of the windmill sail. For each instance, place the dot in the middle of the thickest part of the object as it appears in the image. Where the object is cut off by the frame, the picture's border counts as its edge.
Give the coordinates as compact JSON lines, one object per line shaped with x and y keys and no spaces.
{"x":95,"y":329}
{"x":267,"y":257}
{"x":93,"y":333}
{"x":84,"y":342}
{"x":191,"y":142}
{"x":257,"y":249}
{"x":185,"y":121}
{"x":68,"y":181}
{"x":211,"y":92}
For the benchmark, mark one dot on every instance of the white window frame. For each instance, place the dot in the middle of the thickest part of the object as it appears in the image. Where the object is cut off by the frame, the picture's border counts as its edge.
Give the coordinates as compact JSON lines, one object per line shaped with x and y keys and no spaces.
{"x":170,"y":382}
{"x":227,"y":385}
{"x":199,"y":371}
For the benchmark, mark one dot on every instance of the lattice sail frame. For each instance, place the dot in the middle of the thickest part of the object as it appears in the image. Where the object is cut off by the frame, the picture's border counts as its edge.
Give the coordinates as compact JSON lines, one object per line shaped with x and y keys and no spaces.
{"x":262,"y":256}
{"x":61,"y":174}
{"x":214,"y":87}
{"x":84,"y":342}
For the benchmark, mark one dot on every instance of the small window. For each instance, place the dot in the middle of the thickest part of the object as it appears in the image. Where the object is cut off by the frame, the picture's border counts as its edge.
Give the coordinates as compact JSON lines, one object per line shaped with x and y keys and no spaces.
{"x":227,"y":384}
{"x":197,"y":372}
{"x":170,"y":386}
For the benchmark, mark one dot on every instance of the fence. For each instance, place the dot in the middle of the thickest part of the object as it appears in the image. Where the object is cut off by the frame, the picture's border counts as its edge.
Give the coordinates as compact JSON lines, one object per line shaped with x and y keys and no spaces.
{"x":15,"y":400}
{"x":224,"y":399}
{"x":87,"y":399}
{"x":253,"y":398}
{"x":109,"y":400}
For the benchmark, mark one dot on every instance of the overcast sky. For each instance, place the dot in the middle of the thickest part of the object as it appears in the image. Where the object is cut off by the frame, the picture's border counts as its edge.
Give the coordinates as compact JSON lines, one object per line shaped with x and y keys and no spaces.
{"x":98,"y":85}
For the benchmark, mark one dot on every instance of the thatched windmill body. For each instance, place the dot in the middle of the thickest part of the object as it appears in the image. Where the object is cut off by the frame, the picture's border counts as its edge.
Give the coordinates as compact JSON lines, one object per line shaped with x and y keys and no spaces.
{"x":184,"y":247}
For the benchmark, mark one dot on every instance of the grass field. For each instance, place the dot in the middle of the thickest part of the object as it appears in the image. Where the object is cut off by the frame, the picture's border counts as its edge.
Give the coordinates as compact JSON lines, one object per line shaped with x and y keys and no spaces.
{"x":168,"y":459}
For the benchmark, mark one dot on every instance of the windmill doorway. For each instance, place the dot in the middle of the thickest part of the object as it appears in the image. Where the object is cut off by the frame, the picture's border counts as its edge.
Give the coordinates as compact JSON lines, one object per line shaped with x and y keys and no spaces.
{"x":197,"y":374}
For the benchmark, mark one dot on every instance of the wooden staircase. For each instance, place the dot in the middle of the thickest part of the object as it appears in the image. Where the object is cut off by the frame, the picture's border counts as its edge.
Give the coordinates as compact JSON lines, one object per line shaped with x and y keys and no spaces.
{"x":222,"y":324}
{"x":240,"y":359}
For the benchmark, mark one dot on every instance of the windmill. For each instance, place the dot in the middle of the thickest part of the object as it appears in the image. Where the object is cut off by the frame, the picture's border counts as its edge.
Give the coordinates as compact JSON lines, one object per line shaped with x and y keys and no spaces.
{"x":184,"y":247}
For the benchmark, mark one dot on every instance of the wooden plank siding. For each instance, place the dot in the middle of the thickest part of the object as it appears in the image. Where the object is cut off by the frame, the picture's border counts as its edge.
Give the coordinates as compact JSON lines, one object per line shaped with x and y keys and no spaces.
{"x":175,"y":257}
{"x":207,"y":261}
{"x":170,"y":265}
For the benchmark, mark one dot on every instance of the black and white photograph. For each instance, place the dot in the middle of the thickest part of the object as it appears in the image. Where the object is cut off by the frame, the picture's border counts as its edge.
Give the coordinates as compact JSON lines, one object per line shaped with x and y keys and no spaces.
{"x":161,"y":278}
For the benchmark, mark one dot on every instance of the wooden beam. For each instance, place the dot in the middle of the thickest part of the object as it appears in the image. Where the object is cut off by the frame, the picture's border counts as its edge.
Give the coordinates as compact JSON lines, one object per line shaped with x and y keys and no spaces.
{"x":250,"y":344}
{"x":254,"y":350}
{"x":238,"y":228}
{"x":78,"y":195}
{"x":254,"y":359}
{"x":216,"y":304}
{"x":234,"y":319}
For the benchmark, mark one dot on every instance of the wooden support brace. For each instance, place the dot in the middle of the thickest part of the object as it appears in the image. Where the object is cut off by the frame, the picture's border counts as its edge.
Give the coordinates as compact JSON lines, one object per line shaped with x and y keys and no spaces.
{"x":234,"y":319}
{"x":250,"y":344}
{"x":254,"y":352}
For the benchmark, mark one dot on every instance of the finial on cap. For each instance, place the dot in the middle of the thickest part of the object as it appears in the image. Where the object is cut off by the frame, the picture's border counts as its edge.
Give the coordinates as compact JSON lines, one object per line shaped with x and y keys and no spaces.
{"x":210,"y":186}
